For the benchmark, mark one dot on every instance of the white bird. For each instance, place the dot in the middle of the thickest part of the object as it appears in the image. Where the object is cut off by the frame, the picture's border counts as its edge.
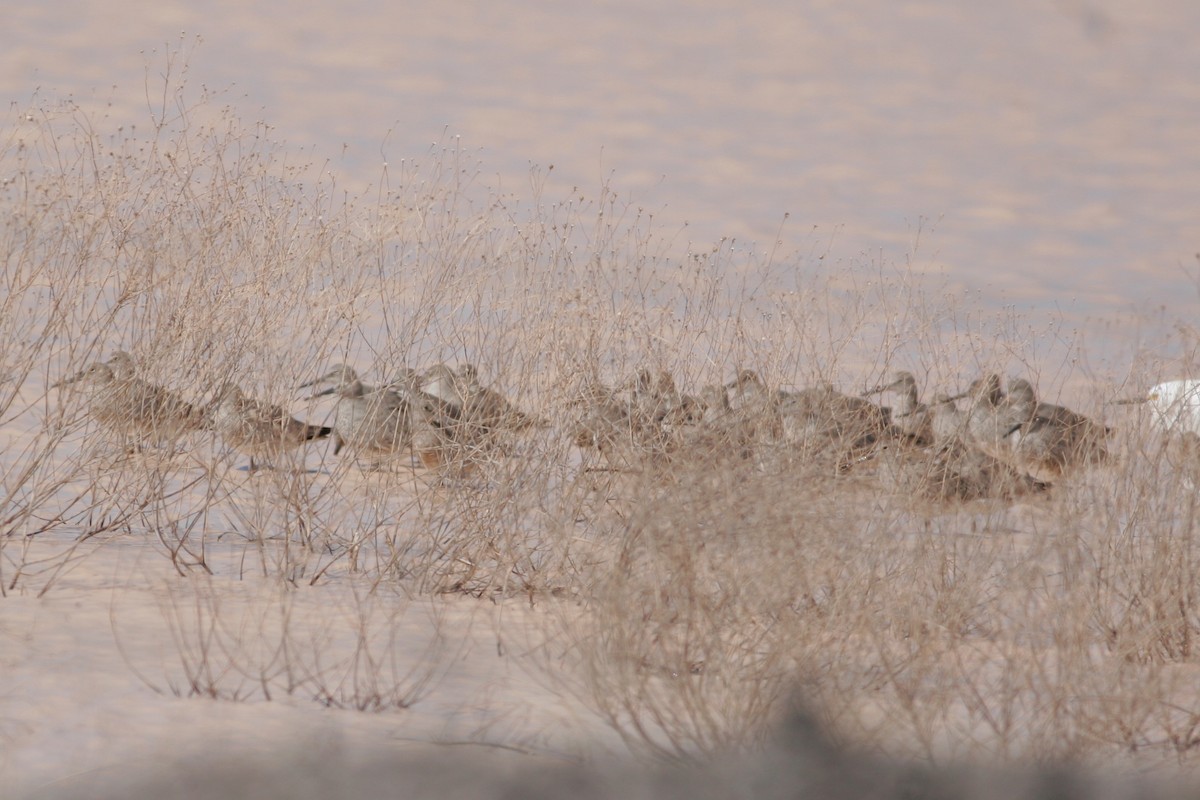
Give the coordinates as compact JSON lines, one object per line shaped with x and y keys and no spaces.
{"x":1176,"y":405}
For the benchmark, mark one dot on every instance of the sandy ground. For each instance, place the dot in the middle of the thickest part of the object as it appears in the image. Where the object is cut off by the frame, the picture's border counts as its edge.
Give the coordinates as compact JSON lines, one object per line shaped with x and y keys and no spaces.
{"x":91,"y":674}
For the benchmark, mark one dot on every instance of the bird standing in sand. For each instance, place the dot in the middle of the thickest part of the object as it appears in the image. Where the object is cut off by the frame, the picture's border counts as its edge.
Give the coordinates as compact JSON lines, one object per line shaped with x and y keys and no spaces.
{"x":260,"y":430}
{"x":823,"y":421}
{"x":372,"y":422}
{"x":438,"y":439}
{"x":755,"y":406}
{"x":138,"y":411}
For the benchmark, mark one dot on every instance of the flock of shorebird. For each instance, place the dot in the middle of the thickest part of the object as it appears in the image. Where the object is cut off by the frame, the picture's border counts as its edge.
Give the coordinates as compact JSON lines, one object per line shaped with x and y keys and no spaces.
{"x":1000,"y":444}
{"x":442,"y":416}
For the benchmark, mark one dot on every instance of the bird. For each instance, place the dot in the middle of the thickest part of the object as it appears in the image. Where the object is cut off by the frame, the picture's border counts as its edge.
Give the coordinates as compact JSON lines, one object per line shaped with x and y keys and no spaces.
{"x":712,"y":432}
{"x":439,"y":434}
{"x":122,"y":365}
{"x":406,"y":379}
{"x":137,"y":411}
{"x":956,"y":471}
{"x":261,"y":430}
{"x":658,"y":408}
{"x":1175,"y":405}
{"x":747,"y":389}
{"x":443,"y":383}
{"x":486,"y":409}
{"x":990,"y":416}
{"x":947,"y":422}
{"x":373,"y":422}
{"x":1049,"y":437}
{"x":911,"y":417}
{"x":756,"y":407}
{"x":823,"y":421}
{"x":606,"y":422}
{"x":437,"y":437}
{"x":713,"y":403}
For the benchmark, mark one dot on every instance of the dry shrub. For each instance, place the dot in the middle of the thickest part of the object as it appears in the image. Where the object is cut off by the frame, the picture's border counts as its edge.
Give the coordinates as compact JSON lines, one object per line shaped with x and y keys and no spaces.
{"x":350,"y":650}
{"x":702,"y":620}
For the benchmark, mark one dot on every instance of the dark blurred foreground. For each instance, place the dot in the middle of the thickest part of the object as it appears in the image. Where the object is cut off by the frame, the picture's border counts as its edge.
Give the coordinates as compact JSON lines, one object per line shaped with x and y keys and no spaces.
{"x":800,"y":763}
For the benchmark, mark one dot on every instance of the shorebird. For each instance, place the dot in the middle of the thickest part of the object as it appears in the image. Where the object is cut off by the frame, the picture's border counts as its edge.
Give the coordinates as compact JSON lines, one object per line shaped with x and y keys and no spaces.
{"x":955,"y":472}
{"x":601,"y":414}
{"x":437,"y":434}
{"x":755,"y":405}
{"x":1049,"y":437}
{"x":134,"y":409}
{"x":713,"y":402}
{"x":714,"y":431}
{"x":405,"y":380}
{"x":437,"y":439}
{"x":1022,"y":401}
{"x":608,"y":424}
{"x":259,"y":429}
{"x":910,"y":417}
{"x":122,"y":365}
{"x":443,"y":383}
{"x":947,"y":423}
{"x":657,"y":405}
{"x":689,"y":412}
{"x":990,"y":417}
{"x":486,"y":409}
{"x":747,"y":389}
{"x":653,"y":394}
{"x":823,"y":419}
{"x":371,"y":422}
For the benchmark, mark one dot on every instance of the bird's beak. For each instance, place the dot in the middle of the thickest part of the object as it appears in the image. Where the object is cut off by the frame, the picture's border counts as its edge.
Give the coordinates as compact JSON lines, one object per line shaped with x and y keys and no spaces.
{"x":1133,"y":401}
{"x":65,"y":381}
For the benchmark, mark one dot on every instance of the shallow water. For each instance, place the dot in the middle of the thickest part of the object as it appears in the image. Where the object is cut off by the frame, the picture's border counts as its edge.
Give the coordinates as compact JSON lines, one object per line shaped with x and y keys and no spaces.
{"x":1034,"y":157}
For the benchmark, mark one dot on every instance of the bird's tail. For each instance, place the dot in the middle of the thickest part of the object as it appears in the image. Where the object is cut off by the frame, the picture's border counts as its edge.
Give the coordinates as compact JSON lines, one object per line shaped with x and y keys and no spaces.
{"x":316,"y":432}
